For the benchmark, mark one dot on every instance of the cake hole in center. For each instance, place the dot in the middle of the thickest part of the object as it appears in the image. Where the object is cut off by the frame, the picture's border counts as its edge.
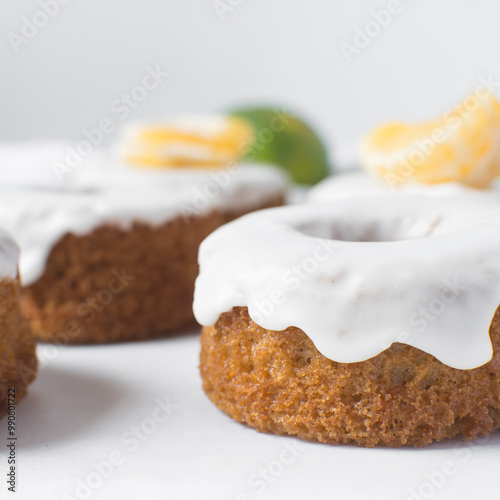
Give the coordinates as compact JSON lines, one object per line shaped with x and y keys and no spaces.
{"x":369,"y":230}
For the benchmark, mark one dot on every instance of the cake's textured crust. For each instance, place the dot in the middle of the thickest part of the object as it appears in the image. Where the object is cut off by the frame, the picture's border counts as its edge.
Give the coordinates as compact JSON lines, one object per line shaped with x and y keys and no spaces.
{"x":18,"y":362}
{"x":116,"y":285}
{"x":278,"y":382}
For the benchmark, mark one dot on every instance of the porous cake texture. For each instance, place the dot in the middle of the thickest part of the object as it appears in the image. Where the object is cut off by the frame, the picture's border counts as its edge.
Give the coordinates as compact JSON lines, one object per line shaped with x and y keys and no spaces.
{"x":116,"y":284}
{"x":18,"y":363}
{"x":278,"y":382}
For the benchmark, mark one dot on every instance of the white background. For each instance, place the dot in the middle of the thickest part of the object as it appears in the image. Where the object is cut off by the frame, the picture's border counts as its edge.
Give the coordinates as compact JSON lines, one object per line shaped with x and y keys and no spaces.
{"x":274,"y":51}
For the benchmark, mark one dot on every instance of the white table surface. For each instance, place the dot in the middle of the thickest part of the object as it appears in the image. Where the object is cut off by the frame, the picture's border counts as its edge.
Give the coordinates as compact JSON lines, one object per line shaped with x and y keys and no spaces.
{"x":88,"y":400}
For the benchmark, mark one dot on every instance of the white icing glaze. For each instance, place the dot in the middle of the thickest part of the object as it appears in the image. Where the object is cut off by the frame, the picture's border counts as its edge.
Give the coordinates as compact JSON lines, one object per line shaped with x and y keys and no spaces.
{"x":238,"y":187}
{"x":38,"y":210}
{"x":358,"y":275}
{"x":359,"y":184}
{"x":30,"y":164}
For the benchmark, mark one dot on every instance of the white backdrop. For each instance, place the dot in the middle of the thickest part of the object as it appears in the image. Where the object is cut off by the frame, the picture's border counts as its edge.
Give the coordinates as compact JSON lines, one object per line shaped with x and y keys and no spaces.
{"x":65,"y":63}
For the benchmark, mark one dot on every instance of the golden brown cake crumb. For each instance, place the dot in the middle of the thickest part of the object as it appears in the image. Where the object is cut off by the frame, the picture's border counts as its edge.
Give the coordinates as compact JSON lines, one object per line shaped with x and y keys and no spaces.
{"x":115,"y":284}
{"x":18,"y":362}
{"x":278,"y":382}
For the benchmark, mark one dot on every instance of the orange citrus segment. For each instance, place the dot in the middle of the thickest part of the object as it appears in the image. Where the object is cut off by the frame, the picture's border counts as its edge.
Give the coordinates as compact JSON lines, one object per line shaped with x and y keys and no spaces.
{"x":206,"y":141}
{"x":463,"y":146}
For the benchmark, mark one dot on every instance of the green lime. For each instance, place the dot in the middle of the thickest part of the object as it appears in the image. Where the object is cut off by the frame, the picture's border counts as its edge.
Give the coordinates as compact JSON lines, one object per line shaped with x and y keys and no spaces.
{"x":285,"y":140}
